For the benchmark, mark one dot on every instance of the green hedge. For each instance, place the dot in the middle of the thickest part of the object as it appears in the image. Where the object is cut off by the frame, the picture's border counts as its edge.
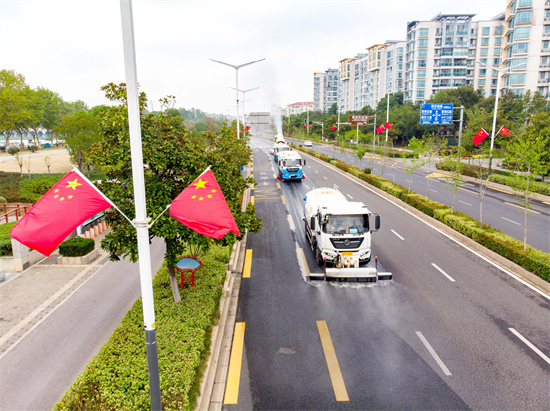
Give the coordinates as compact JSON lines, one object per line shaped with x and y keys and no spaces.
{"x":531,"y":259}
{"x":31,"y":189}
{"x":116,"y":378}
{"x":536,"y":186}
{"x":5,"y":239}
{"x":76,"y":247}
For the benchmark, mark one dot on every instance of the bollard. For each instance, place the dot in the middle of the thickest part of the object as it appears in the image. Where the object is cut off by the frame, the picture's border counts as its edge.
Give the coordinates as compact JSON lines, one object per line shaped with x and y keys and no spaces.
{"x":87,"y":234}
{"x":96,"y":230}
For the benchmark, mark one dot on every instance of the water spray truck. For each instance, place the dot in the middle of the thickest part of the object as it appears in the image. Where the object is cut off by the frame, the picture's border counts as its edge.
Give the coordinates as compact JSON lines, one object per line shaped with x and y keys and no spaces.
{"x":290,"y":166}
{"x":339,"y":233}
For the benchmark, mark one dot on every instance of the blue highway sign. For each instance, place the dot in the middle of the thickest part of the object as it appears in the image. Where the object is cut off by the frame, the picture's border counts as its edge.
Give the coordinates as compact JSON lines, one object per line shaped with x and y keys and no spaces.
{"x":436,"y":114}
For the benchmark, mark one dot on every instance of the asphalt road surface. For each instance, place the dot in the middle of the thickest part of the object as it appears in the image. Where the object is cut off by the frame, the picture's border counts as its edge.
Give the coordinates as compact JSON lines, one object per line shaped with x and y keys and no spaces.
{"x":450,"y":331}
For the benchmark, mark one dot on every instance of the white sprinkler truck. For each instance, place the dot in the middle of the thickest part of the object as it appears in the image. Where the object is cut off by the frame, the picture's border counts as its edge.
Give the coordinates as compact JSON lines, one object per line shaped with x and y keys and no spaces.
{"x":339,"y":233}
{"x":290,"y":166}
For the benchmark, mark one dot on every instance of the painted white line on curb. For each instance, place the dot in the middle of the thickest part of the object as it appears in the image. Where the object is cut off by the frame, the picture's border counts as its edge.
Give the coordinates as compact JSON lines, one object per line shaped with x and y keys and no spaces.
{"x":443,"y":272}
{"x":433,"y":353}
{"x":530,"y":345}
{"x":398,"y":236}
{"x":291,"y":222}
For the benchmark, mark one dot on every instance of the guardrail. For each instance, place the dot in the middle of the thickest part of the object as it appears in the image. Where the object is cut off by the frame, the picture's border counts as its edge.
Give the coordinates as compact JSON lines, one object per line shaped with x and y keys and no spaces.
{"x":16,"y":210}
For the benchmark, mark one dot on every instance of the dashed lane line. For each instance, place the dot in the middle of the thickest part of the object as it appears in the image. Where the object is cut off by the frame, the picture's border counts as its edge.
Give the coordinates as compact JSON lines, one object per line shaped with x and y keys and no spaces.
{"x":235,"y":363}
{"x":433,"y":353}
{"x":332,"y":363}
{"x":530,"y":345}
{"x":443,"y":272}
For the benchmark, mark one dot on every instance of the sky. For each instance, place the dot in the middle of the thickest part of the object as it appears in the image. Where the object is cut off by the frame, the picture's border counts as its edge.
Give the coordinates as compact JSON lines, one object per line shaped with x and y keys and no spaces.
{"x":74,"y":47}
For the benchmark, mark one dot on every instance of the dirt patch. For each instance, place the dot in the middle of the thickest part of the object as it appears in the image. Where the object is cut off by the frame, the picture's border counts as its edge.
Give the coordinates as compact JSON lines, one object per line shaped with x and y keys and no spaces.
{"x":60,"y":163}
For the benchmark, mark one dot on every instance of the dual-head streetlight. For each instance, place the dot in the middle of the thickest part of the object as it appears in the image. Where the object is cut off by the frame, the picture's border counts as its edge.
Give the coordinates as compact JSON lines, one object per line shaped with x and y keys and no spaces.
{"x":499,"y":70}
{"x":237,"y":67}
{"x":244,"y":100}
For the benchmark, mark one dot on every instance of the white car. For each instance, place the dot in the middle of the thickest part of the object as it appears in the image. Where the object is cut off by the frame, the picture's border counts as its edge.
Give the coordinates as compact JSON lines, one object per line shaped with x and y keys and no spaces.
{"x":308,"y":143}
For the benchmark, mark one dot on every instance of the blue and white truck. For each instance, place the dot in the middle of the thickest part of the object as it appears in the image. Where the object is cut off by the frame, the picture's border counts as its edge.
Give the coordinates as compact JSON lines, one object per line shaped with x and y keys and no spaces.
{"x":290,"y":166}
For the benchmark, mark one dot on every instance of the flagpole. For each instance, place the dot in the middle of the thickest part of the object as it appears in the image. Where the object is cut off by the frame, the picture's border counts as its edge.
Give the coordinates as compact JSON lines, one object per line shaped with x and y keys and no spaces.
{"x":141,"y":220}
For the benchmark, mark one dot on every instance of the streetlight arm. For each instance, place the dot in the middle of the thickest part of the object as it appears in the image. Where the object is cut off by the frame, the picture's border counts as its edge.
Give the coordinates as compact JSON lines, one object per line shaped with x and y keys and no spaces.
{"x":247,"y":64}
{"x":226,"y":64}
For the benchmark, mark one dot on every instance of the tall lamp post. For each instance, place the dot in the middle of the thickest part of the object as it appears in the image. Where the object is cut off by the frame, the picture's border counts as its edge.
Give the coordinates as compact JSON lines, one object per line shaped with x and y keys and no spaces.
{"x":499,"y":70}
{"x":244,"y":101}
{"x":237,"y":67}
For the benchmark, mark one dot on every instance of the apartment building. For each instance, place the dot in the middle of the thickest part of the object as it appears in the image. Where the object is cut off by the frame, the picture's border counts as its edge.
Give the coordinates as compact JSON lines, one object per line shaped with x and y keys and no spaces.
{"x":325,"y":89}
{"x":318,"y":91}
{"x":526,"y":47}
{"x":298,"y":108}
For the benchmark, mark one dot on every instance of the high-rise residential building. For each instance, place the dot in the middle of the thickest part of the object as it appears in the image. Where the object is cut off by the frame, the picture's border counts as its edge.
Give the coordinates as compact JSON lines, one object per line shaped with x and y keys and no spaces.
{"x":331,"y":83}
{"x":345,"y":90}
{"x":526,"y":47}
{"x":395,"y":68}
{"x":318,"y":91}
{"x":486,"y":42}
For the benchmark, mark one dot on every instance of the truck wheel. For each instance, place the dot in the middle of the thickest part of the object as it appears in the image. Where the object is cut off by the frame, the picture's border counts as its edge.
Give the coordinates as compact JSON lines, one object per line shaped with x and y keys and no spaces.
{"x":319,"y":257}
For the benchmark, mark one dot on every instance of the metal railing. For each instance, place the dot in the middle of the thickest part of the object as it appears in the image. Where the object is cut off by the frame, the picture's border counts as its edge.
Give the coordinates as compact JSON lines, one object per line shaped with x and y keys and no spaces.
{"x":11,"y":210}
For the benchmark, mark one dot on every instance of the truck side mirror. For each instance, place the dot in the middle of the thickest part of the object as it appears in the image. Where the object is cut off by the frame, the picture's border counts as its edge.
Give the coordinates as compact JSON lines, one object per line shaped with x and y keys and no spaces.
{"x":376,"y":222}
{"x":312,"y":223}
{"x":304,"y":162}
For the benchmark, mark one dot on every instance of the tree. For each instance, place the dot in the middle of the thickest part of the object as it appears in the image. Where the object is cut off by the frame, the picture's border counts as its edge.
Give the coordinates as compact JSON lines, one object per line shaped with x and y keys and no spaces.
{"x":418,"y":148}
{"x":80,"y":131}
{"x":333,"y":109}
{"x":173,"y":162}
{"x":433,"y":143}
{"x":524,"y":154}
{"x":14,"y":95}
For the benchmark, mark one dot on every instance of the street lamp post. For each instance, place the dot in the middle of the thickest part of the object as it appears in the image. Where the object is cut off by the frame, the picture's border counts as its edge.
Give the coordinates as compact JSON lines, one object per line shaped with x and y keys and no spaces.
{"x":499,"y":70}
{"x":244,"y":101}
{"x":237,"y":67}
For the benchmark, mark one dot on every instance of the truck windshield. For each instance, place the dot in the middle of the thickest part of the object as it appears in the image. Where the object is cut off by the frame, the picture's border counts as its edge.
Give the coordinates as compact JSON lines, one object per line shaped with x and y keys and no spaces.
{"x":346,"y":224}
{"x":292,"y":162}
{"x":283,"y":149}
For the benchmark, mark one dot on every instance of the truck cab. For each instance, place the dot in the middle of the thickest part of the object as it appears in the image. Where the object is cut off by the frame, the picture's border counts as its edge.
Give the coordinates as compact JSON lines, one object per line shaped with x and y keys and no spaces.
{"x":290,"y":166}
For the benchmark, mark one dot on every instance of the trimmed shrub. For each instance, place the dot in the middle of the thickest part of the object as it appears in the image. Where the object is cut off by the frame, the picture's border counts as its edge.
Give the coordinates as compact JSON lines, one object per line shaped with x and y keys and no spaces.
{"x":33,"y":148}
{"x":32,"y":189}
{"x":5,"y":239}
{"x":536,"y":186}
{"x":3,"y":200}
{"x":13,"y":150}
{"x":367,"y":171}
{"x":76,"y":247}
{"x":116,"y":378}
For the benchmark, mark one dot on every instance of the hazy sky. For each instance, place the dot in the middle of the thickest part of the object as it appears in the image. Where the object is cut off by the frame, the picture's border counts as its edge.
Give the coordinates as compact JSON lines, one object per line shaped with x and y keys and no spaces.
{"x":74,"y":47}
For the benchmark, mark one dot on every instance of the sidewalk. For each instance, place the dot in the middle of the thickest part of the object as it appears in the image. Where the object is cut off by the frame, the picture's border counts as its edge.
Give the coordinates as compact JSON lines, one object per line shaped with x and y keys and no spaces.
{"x":29,"y":296}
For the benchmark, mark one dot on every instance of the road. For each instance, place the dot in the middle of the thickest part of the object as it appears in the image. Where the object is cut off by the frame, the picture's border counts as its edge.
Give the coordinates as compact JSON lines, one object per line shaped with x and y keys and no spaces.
{"x":501,"y":210}
{"x":451,"y":331}
{"x":38,"y":370}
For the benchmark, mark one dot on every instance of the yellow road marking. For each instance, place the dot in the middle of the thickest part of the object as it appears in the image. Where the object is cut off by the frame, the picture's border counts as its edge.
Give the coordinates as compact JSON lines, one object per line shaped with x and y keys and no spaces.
{"x":498,"y":189}
{"x":332,"y":363}
{"x":235,"y":362}
{"x":521,"y":207}
{"x":251,"y":168}
{"x":302,"y":256}
{"x":252,"y":200}
{"x":436,"y":175}
{"x":278,"y":186}
{"x":247,"y":264}
{"x":283,"y":198}
{"x":544,"y":202}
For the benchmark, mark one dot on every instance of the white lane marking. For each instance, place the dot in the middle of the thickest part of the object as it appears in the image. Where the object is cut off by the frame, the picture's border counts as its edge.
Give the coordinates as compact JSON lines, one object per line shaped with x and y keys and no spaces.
{"x":349,"y":196}
{"x":307,"y":186}
{"x":464,"y":202}
{"x":398,"y":236}
{"x":443,"y":272}
{"x":336,"y":187}
{"x":325,"y":178}
{"x":433,"y":190}
{"x":316,"y":171}
{"x":469,"y":184}
{"x":498,"y":267}
{"x":504,"y":218}
{"x":433,"y":353}
{"x":390,"y":174}
{"x":291,"y":222}
{"x":530,"y":345}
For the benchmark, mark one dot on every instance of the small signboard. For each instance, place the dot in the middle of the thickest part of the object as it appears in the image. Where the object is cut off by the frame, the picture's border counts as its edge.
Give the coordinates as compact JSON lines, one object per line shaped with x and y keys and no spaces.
{"x":259,"y":119}
{"x":436,"y":114}
{"x":358,"y":120}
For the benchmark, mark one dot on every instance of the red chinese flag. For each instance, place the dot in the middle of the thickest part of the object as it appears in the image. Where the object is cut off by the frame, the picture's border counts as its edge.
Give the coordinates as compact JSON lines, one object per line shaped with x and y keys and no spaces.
{"x":202,"y":208}
{"x":388,"y":125}
{"x":70,"y":202}
{"x":333,"y":128}
{"x":505,"y":132}
{"x":247,"y":128}
{"x":380,"y":128}
{"x":479,"y":137}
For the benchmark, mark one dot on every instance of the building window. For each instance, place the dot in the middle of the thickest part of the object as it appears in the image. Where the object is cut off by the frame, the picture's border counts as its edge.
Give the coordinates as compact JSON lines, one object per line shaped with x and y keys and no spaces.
{"x":421,"y":74}
{"x":482,"y":72}
{"x":485,"y":30}
{"x":481,"y":82}
{"x":484,"y":51}
{"x":498,"y":30}
{"x":525,"y":3}
{"x":420,"y":83}
{"x":423,"y":43}
{"x":517,"y":78}
{"x":522,"y":32}
{"x":420,"y":94}
{"x":485,"y":41}
{"x":520,"y":48}
{"x":497,"y":51}
{"x":498,"y":41}
{"x":523,"y":17}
